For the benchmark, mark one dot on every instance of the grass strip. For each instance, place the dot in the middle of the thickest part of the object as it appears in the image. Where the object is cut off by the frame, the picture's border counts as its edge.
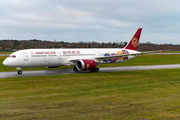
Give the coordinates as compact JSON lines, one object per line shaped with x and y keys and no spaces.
{"x":152,"y":94}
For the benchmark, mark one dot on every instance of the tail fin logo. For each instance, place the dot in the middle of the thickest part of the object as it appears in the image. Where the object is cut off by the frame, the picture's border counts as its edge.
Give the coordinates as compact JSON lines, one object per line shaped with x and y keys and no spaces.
{"x":134,"y":42}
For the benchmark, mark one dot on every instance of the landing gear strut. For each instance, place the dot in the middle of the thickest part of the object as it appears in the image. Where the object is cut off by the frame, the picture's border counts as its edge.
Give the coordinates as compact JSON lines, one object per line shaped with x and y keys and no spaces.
{"x":19,"y":71}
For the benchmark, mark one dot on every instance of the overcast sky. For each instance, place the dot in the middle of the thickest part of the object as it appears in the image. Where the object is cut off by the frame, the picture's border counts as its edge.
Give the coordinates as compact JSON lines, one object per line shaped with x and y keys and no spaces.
{"x":90,"y":20}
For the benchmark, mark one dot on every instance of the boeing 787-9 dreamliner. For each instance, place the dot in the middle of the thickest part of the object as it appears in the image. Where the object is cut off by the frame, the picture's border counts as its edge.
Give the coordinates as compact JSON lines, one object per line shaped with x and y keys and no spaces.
{"x":81,"y":59}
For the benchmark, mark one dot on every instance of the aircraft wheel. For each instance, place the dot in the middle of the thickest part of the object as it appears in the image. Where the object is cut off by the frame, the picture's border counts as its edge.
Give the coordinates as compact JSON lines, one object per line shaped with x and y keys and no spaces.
{"x":97,"y":69}
{"x":19,"y":72}
{"x":75,"y":69}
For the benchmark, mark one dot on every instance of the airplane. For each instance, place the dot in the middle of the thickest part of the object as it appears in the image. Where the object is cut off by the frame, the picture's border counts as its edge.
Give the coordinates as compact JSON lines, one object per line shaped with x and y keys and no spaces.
{"x":82,"y":59}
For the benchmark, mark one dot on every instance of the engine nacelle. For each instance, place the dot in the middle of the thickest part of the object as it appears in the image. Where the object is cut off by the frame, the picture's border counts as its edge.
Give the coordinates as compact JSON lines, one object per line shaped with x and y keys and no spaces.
{"x":85,"y":64}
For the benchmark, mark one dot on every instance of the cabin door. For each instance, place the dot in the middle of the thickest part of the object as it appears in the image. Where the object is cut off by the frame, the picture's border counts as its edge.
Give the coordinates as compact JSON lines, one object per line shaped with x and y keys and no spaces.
{"x":59,"y":55}
{"x":25,"y":56}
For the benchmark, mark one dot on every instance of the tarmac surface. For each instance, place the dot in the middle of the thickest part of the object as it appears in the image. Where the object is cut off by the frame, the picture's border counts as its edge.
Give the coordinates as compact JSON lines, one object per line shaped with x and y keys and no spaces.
{"x":70,"y":71}
{"x":4,"y":54}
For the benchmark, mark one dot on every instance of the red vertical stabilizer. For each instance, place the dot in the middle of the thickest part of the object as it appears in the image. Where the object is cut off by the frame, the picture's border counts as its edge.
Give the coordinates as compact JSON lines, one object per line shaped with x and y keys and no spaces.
{"x":133,"y":44}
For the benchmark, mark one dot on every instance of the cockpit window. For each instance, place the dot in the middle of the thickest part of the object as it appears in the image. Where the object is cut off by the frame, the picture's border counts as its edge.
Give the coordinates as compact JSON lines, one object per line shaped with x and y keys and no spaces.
{"x":12,"y":56}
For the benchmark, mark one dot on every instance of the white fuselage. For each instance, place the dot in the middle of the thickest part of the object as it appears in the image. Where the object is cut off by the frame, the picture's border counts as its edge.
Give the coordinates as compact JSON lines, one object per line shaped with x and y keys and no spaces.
{"x":64,"y":57}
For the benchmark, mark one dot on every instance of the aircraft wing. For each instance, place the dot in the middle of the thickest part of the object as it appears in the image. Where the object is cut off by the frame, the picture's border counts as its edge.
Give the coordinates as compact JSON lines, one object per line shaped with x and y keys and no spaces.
{"x":122,"y":55}
{"x":106,"y":57}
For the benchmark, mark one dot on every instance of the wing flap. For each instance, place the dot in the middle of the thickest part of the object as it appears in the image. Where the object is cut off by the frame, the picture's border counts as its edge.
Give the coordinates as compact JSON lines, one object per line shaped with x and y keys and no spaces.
{"x":122,"y":55}
{"x":106,"y":57}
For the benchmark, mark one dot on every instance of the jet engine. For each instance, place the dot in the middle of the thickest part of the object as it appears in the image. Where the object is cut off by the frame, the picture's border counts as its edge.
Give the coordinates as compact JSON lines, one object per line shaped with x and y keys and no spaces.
{"x":85,"y":64}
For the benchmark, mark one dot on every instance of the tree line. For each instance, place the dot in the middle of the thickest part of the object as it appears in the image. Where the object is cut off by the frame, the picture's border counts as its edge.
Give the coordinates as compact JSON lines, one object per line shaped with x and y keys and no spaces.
{"x":29,"y":44}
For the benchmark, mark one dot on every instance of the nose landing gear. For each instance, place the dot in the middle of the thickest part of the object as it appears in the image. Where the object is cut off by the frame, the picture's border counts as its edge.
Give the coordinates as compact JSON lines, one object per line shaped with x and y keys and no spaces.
{"x":19,"y":71}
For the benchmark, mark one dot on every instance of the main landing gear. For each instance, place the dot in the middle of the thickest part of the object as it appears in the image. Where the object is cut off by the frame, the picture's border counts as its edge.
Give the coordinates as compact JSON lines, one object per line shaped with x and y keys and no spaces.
{"x":19,"y":71}
{"x":75,"y":69}
{"x":92,"y":70}
{"x":95,"y":70}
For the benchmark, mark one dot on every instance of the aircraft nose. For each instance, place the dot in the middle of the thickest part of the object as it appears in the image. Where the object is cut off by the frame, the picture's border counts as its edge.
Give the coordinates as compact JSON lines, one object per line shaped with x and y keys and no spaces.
{"x":5,"y":62}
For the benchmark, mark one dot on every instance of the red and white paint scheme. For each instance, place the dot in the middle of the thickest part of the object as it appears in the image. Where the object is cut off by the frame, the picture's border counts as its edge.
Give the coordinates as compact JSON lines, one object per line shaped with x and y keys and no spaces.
{"x":81,"y":59}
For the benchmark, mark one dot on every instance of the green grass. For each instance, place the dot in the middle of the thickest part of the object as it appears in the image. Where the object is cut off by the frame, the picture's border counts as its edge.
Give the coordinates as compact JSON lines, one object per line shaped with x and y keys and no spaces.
{"x":152,"y":94}
{"x":140,"y":60}
{"x":6,"y":52}
{"x":171,"y":52}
